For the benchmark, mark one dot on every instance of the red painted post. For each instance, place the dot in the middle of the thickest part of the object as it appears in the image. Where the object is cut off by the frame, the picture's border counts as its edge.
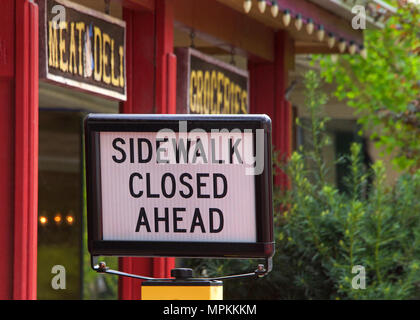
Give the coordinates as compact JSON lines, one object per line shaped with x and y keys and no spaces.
{"x":171,"y":83}
{"x":283,"y":131}
{"x":33,"y":152}
{"x":19,"y":160}
{"x":268,"y":83}
{"x":26,"y":151}
{"x":7,"y":79}
{"x":151,"y":88}
{"x":140,"y":99}
{"x":165,"y":88}
{"x":140,"y":57}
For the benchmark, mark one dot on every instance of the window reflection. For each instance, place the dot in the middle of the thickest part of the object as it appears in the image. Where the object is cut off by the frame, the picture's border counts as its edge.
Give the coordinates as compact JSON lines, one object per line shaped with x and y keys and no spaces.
{"x":60,"y":202}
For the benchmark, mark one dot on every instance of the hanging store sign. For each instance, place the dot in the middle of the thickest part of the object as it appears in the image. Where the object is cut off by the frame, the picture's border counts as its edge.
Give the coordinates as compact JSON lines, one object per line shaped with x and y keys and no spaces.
{"x":209,"y":86}
{"x":179,"y":185}
{"x":82,"y":48}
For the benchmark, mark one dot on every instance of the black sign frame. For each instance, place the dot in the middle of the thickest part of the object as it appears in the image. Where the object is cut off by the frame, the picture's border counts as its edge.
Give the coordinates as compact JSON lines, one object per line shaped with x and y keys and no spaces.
{"x":96,"y":123}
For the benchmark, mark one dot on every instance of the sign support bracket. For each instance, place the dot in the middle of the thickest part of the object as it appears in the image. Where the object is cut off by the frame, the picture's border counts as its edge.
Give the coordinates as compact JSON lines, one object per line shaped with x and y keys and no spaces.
{"x":261,"y":271}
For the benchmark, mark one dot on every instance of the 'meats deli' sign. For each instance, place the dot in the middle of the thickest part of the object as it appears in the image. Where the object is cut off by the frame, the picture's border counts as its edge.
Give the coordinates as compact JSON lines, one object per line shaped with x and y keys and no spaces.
{"x":209,"y":86}
{"x":82,"y":48}
{"x":179,"y":185}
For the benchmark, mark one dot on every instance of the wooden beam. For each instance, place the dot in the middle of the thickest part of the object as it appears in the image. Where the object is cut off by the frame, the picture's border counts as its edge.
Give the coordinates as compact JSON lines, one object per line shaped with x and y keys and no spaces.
{"x":212,"y":50}
{"x":331,"y":22}
{"x":314,"y":48}
{"x":225,"y":27}
{"x":138,"y":5}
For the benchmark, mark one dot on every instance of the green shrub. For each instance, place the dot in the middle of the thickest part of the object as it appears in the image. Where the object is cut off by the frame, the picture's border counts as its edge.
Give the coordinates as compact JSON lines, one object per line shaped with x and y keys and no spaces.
{"x":322,"y":234}
{"x":335,"y":232}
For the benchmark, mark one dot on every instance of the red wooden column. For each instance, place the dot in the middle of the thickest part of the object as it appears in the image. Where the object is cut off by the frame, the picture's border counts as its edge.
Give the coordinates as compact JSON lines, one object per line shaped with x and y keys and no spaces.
{"x":19,"y":156}
{"x":165,"y":58}
{"x":151,"y":88}
{"x":268,"y":83}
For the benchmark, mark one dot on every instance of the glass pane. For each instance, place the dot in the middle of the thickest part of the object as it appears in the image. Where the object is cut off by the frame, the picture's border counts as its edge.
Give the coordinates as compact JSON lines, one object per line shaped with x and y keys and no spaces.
{"x":60,"y":205}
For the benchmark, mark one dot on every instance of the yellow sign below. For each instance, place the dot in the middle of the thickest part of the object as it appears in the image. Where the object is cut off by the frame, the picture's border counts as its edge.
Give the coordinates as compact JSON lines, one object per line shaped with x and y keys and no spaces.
{"x":174,"y":291}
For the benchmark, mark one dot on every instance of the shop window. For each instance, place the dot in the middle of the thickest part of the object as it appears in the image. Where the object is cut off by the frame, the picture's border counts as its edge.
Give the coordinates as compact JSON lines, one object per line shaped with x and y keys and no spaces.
{"x":62,"y":232}
{"x":60,"y":206}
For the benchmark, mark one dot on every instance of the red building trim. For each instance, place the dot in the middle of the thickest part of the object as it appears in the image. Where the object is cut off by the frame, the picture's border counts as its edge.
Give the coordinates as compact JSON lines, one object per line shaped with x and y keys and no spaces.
{"x":26,"y":151}
{"x":140,"y":57}
{"x":171,"y":83}
{"x":139,"y":5}
{"x":151,"y":88}
{"x":7,"y":116}
{"x":268,"y":82}
{"x":164,"y":19}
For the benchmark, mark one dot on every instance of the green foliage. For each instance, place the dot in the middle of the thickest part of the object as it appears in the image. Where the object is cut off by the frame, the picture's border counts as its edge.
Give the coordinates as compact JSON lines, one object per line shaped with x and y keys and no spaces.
{"x":384,"y":87}
{"x":340,"y":231}
{"x":322,"y":234}
{"x":375,"y":226}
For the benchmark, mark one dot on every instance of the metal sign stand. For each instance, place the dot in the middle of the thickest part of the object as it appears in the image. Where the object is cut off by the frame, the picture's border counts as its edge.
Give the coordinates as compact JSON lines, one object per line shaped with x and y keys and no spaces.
{"x":182,"y":285}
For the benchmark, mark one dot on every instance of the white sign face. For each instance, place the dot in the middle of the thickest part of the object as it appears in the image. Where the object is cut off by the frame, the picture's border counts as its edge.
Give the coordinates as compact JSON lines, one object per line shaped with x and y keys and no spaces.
{"x":188,"y":187}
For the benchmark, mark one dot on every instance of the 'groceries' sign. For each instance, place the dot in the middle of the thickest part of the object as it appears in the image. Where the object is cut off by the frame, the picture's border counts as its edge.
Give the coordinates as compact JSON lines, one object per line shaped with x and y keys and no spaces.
{"x":209,"y":86}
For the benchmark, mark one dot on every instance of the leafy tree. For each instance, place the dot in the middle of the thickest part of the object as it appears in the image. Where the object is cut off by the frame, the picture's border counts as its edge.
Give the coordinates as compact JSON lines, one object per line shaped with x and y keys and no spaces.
{"x":327,"y":235}
{"x":324,"y":236}
{"x":384,"y":87}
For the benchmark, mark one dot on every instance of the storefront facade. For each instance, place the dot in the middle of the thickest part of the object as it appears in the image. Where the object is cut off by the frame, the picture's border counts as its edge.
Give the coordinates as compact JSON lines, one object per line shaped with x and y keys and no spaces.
{"x":33,"y":167}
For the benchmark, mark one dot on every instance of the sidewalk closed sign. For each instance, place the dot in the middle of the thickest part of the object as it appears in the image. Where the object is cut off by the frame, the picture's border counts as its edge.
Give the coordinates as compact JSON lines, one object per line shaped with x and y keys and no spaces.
{"x":179,"y":185}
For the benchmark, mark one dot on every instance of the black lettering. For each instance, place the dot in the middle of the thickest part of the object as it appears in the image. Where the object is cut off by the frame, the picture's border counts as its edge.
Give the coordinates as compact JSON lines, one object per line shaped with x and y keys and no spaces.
{"x":225,"y":185}
{"x":211,"y":220}
{"x":201,"y":184}
{"x":199,"y":152}
{"x":163,"y":185}
{"x":176,"y":219}
{"x":142,"y":221}
{"x":160,"y":150}
{"x":184,"y":183}
{"x":233,"y":149}
{"x":149,"y":147}
{"x":159,"y":219}
{"x":131,"y":150}
{"x":180,"y":149}
{"x":123,"y":155}
{"x":130,"y":184}
{"x":213,"y":152}
{"x":197,"y":221}
{"x":148,"y":191}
